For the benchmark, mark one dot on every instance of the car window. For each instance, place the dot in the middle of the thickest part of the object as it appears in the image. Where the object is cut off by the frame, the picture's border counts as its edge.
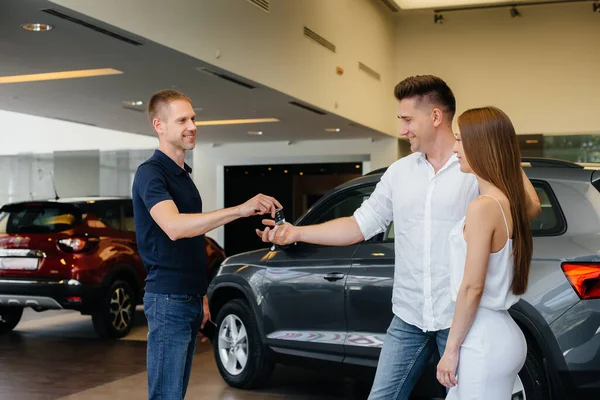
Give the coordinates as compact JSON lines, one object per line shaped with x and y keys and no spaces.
{"x":342,"y":205}
{"x":128,"y":223}
{"x":38,"y":218}
{"x":389,"y":234}
{"x":550,"y":222}
{"x":109,"y":212}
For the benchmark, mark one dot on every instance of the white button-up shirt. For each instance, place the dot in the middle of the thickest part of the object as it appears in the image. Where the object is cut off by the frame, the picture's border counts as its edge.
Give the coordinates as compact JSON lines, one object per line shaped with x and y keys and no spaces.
{"x":424,"y":206}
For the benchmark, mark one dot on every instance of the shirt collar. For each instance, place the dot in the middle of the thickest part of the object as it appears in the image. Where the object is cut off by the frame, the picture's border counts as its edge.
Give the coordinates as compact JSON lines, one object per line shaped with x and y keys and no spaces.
{"x":170,"y":164}
{"x":423,"y":159}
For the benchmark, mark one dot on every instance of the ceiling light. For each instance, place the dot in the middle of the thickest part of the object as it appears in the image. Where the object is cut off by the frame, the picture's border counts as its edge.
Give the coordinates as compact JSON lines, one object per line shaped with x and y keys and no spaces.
{"x":137,"y":103}
{"x":596,"y":7}
{"x":420,"y":4}
{"x":301,"y":173}
{"x":236,"y":121}
{"x":37,"y":27}
{"x":50,"y":76}
{"x":332,"y":129}
{"x":255,"y":133}
{"x":514,"y":12}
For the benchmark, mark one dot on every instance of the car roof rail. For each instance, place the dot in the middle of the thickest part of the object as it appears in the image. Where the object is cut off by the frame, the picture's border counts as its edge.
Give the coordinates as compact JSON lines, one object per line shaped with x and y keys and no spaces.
{"x":549,"y":163}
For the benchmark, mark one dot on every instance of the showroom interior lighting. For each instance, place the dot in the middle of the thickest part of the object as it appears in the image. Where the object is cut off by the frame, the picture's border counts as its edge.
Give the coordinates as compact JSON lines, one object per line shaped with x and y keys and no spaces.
{"x":451,"y":6}
{"x":37,"y":27}
{"x":236,"y":121}
{"x":50,"y":76}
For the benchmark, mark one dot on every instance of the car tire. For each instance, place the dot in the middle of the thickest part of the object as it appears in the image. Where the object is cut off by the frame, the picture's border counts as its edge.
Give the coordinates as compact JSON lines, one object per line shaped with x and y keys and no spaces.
{"x":532,"y":379}
{"x":115,"y":315}
{"x":9,"y":318}
{"x":258,"y":367}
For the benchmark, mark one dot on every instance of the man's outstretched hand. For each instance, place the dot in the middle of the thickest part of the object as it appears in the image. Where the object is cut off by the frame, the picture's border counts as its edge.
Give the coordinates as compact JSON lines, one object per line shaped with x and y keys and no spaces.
{"x":282,"y":235}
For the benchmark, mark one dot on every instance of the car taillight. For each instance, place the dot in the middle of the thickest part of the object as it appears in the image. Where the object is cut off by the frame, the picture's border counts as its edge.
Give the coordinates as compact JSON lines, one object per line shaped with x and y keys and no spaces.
{"x":77,"y":244}
{"x":585,"y":278}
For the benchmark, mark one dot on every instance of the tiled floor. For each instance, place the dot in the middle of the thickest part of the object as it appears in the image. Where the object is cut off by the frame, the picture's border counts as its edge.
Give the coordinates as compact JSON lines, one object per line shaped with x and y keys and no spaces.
{"x":56,"y":355}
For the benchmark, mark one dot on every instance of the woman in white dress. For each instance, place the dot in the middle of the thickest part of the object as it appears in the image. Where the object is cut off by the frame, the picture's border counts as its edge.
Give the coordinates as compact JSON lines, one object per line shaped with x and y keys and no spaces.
{"x":490,"y":254}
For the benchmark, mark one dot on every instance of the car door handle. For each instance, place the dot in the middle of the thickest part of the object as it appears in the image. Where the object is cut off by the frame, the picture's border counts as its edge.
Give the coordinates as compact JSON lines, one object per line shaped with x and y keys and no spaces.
{"x":334,"y":276}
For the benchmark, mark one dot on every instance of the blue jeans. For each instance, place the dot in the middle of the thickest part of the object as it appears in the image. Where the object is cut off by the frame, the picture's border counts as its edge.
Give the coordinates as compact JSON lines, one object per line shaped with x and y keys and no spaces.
{"x":173,"y":324}
{"x":405,"y":354}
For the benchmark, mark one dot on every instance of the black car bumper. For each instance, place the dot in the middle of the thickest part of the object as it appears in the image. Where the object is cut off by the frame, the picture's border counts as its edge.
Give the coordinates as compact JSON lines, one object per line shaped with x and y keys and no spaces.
{"x":43,"y":294}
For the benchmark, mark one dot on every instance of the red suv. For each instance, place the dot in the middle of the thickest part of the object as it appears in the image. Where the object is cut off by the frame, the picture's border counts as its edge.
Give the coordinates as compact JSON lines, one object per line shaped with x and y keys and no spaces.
{"x":75,"y":254}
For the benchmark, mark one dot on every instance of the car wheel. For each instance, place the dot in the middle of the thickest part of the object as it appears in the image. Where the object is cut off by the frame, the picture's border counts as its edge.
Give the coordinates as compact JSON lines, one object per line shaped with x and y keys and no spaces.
{"x":115,"y":315}
{"x":242,"y":359}
{"x":9,"y":318}
{"x":531,"y":381}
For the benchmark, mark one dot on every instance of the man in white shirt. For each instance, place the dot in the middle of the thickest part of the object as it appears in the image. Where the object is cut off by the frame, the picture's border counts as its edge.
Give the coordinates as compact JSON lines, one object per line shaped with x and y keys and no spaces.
{"x":425,"y":194}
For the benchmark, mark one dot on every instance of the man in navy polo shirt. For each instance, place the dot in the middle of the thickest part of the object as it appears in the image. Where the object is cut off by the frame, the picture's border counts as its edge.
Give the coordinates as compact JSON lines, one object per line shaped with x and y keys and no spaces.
{"x":170,"y":228}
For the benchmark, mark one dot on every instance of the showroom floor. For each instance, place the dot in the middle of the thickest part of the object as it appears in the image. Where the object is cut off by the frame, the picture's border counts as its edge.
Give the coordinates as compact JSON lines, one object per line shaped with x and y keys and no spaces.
{"x":56,"y":355}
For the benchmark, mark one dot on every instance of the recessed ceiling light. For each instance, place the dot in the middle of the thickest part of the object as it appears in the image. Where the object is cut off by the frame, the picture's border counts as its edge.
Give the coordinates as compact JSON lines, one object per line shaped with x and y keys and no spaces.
{"x":236,"y":121}
{"x":37,"y":27}
{"x":136,"y":103}
{"x":255,"y":133}
{"x":49,"y":76}
{"x":332,"y":129}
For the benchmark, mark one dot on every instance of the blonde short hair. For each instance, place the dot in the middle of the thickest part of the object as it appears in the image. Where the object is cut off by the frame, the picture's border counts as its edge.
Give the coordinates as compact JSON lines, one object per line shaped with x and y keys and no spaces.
{"x":162,"y":98}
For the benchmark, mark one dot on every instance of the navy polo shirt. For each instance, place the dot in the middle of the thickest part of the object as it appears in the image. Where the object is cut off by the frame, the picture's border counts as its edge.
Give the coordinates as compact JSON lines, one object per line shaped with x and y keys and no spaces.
{"x":174,"y":267}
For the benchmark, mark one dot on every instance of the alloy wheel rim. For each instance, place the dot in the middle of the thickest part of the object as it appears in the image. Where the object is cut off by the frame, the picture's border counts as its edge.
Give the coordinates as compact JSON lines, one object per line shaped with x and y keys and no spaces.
{"x":233,"y":344}
{"x":121,"y":309}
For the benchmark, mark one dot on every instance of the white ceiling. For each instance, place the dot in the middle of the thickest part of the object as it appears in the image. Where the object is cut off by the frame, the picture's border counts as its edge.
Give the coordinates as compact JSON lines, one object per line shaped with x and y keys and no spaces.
{"x":147,"y":68}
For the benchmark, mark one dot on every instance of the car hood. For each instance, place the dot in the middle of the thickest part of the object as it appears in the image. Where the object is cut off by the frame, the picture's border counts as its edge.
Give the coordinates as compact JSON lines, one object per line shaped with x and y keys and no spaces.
{"x":255,"y":257}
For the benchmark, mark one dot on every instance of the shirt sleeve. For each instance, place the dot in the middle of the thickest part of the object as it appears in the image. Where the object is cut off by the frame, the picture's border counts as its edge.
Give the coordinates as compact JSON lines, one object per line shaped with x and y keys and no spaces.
{"x":377,"y":212}
{"x":151,"y":186}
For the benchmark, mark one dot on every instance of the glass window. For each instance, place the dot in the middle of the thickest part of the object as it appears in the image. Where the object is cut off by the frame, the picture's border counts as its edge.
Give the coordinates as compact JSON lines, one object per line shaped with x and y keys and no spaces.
{"x":38,"y":218}
{"x":548,"y":223}
{"x":551,"y":221}
{"x":109,"y":212}
{"x":342,"y":205}
{"x":128,"y":223}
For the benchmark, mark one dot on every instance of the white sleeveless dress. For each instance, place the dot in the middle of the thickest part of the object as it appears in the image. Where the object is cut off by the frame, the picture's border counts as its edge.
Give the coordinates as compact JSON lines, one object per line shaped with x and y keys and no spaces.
{"x":494,"y":349}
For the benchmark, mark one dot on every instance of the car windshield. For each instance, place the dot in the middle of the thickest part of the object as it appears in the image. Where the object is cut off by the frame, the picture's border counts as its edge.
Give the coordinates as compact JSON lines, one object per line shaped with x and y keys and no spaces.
{"x":38,"y":217}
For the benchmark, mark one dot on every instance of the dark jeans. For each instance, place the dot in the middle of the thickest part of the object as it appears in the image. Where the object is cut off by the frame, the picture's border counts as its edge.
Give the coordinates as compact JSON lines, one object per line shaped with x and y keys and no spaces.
{"x":173,"y":324}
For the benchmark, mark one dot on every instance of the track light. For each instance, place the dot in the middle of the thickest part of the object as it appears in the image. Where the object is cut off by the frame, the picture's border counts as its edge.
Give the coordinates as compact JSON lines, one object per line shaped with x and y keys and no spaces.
{"x":596,"y":7}
{"x":438,"y":19}
{"x":514,"y":12}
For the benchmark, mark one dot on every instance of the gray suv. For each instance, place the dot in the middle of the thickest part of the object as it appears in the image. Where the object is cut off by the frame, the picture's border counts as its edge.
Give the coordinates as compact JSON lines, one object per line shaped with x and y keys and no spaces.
{"x":331,"y":306}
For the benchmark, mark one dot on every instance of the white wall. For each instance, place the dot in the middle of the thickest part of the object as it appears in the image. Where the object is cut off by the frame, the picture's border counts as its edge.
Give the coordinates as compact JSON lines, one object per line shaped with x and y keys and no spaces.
{"x":542,"y":69}
{"x":77,"y":173}
{"x":209,"y":161}
{"x":271,"y":48}
{"x":23,"y":133}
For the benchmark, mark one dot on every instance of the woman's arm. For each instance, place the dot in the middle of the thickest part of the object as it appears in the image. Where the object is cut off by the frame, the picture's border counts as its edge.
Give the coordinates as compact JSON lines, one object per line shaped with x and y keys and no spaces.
{"x":479,"y":231}
{"x":533,"y":201}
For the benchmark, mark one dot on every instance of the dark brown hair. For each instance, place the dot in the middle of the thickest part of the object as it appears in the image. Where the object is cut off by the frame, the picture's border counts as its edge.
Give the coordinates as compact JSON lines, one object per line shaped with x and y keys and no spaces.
{"x":492,"y":150}
{"x":430,"y":88}
{"x":162,"y":98}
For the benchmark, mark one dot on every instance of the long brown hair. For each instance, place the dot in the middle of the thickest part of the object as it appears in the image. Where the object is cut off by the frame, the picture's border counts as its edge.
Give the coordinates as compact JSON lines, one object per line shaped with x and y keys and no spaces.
{"x":492,"y":150}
